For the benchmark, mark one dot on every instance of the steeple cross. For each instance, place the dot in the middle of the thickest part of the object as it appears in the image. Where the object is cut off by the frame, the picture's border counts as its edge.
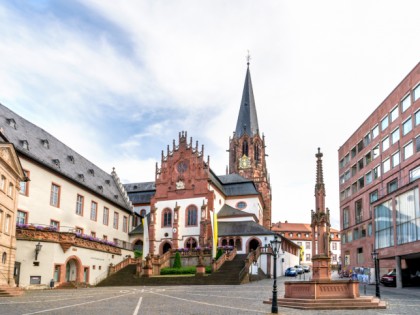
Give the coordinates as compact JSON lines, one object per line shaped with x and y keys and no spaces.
{"x":248,"y":58}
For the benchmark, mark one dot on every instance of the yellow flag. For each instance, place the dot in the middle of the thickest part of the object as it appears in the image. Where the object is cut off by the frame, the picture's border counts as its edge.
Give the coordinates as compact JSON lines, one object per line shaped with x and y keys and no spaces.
{"x":215,"y":233}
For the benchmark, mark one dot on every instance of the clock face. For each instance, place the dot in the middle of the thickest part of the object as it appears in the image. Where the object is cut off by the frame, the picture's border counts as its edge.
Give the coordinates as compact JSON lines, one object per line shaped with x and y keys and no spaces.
{"x":182,"y":166}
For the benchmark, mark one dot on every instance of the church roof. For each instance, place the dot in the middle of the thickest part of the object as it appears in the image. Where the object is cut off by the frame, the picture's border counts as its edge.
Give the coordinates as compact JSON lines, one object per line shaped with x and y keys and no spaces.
{"x":241,"y":228}
{"x":145,"y":186}
{"x":228,"y":211}
{"x":247,"y":119}
{"x":233,"y":185}
{"x":38,"y":145}
{"x":140,"y":192}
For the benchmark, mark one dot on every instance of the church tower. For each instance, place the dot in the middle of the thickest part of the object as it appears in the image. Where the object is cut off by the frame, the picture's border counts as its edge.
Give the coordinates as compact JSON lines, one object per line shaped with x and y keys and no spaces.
{"x":247,"y":148}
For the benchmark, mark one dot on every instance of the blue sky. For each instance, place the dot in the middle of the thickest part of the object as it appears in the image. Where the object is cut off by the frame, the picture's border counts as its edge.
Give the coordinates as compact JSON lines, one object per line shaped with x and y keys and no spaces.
{"x":118,"y":80}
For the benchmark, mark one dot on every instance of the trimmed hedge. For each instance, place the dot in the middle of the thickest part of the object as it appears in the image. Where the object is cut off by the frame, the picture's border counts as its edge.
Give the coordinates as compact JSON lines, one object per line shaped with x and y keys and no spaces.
{"x":182,"y":271}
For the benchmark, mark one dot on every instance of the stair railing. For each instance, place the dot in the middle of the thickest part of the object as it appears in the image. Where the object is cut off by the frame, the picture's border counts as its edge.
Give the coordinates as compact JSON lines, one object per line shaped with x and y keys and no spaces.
{"x":226,"y":256}
{"x":160,"y":261}
{"x":122,"y":264}
{"x":250,"y":259}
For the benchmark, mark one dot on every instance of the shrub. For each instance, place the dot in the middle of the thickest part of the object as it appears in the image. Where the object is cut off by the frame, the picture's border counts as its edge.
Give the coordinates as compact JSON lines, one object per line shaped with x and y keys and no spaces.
{"x":178,"y":271}
{"x":177,"y":261}
{"x":219,"y":253}
{"x":208,"y":269}
{"x":138,"y":253}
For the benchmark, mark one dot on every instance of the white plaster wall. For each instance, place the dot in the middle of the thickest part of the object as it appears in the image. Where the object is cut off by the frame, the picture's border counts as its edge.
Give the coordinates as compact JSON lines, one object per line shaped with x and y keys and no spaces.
{"x":37,"y":204}
{"x":219,"y":199}
{"x":253,"y":205}
{"x":52,"y":253}
{"x":183,"y":231}
{"x":240,"y":219}
{"x":137,"y":209}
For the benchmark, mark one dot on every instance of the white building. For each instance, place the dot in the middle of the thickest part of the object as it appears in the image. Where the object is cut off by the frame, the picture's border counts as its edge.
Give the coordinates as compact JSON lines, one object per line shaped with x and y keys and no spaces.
{"x":78,"y":214}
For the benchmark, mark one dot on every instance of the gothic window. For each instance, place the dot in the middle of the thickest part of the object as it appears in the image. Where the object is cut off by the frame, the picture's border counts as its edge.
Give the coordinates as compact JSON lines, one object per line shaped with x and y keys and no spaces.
{"x":245,"y":148}
{"x":224,"y":242}
{"x":257,"y":153}
{"x":191,"y":215}
{"x":190,"y":243}
{"x":143,"y":212}
{"x":166,"y":218}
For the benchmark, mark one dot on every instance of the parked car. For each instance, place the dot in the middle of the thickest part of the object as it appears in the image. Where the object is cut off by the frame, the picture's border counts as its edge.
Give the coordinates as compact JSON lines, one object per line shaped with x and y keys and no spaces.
{"x":306,"y":268}
{"x":299,"y":269}
{"x":291,"y":272}
{"x":390,"y":279}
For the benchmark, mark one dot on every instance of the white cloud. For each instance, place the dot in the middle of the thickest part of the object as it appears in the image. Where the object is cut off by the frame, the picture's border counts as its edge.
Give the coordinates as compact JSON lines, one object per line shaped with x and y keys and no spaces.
{"x":319,"y":68}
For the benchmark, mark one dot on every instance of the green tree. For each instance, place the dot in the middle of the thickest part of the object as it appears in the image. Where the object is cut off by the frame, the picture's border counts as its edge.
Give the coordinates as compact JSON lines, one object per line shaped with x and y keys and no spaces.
{"x":177,"y":261}
{"x":219,"y":253}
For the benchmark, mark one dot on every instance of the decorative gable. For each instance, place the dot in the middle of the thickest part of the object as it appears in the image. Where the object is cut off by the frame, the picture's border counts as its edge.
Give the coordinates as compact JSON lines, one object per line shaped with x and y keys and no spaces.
{"x":183,"y":170}
{"x":11,"y":160}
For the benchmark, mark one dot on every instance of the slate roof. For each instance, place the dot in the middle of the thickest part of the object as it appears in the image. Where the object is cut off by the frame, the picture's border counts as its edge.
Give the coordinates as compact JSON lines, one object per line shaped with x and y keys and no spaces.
{"x":228,"y":211}
{"x":247,"y":117}
{"x":242,"y":228}
{"x":233,"y":184}
{"x":59,"y":158}
{"x":140,"y":192}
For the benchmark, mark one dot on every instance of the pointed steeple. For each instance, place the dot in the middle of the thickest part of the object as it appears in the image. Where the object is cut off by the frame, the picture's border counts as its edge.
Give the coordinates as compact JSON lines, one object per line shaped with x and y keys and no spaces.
{"x":247,"y":118}
{"x":319,"y":186}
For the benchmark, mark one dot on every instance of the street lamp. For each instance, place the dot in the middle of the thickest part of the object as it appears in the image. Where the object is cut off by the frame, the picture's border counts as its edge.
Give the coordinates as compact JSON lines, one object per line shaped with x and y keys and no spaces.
{"x":37,"y":250}
{"x":376,"y":261}
{"x":275,"y":246}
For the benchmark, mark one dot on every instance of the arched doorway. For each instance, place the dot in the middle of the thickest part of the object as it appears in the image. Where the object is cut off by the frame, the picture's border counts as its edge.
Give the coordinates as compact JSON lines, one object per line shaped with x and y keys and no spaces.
{"x":138,"y":245}
{"x":253,"y":244}
{"x":71,"y":270}
{"x":166,"y":247}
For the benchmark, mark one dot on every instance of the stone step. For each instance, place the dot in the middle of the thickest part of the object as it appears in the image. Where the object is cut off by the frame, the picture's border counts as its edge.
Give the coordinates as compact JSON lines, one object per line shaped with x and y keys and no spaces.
{"x":6,"y":291}
{"x":366,"y":302}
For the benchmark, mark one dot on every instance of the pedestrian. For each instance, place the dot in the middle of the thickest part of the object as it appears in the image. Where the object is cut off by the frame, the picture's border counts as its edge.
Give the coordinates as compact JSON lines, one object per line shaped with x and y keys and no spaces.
{"x":52,"y":284}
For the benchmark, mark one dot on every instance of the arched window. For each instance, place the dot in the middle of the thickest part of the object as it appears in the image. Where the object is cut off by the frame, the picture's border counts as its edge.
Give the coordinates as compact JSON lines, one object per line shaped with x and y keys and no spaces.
{"x":256,"y":153}
{"x":166,"y":218}
{"x":3,"y":258}
{"x":143,"y":212}
{"x":190,"y":243}
{"x":191,"y":215}
{"x":224,"y":242}
{"x":231,"y":242}
{"x":245,"y":148}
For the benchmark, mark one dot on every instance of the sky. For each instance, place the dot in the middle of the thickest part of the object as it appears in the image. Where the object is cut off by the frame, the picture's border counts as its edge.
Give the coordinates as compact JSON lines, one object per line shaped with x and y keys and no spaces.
{"x":118,"y":80}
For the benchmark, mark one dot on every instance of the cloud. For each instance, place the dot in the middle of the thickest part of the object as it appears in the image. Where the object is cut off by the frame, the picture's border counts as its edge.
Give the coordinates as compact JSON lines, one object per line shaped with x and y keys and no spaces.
{"x":125,"y":77}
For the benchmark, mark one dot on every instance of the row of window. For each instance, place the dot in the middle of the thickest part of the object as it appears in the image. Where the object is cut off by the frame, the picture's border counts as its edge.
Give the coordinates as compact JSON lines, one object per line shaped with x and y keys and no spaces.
{"x":387,"y":164}
{"x":390,"y":187}
{"x":191,"y":217}
{"x":357,"y":233}
{"x":405,"y":103}
{"x":290,"y":234}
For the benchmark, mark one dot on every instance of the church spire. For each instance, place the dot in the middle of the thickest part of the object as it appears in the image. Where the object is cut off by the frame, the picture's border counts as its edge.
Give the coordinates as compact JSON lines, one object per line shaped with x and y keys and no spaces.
{"x":319,"y":186}
{"x":247,"y":118}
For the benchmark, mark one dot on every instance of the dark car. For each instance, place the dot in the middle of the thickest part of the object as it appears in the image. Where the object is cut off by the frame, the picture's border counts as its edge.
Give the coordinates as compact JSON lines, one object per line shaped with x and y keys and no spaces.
{"x":306,"y":268}
{"x":390,"y":279}
{"x":299,"y":269}
{"x":290,"y":272}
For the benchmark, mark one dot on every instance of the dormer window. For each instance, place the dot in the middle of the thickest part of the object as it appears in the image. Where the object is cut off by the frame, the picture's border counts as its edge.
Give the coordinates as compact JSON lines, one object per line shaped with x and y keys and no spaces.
{"x":108,"y":182}
{"x":45,"y":143}
{"x":81,"y":177}
{"x":116,"y":197}
{"x":91,"y":172}
{"x":71,"y":158}
{"x":11,"y":122}
{"x":56,"y":162}
{"x":24,"y":144}
{"x":101,"y":188}
{"x":135,"y":187}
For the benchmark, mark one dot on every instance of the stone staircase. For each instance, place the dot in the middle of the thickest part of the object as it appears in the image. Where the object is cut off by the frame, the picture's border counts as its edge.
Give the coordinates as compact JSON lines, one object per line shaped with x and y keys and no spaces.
{"x":228,"y":274}
{"x":6,"y":291}
{"x":360,"y":303}
{"x":72,"y":285}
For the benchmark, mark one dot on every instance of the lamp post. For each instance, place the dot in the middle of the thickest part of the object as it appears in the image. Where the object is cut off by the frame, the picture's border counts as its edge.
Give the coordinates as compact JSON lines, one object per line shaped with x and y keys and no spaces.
{"x":275,"y":246}
{"x":376,"y":262}
{"x":37,"y":250}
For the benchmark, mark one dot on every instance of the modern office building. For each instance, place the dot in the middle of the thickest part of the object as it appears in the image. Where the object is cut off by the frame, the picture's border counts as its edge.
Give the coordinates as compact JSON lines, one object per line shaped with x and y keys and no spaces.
{"x":379,"y":171}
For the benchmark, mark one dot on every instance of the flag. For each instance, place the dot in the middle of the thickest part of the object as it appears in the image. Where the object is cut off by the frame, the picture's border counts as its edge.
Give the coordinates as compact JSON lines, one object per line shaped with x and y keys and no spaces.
{"x":215,"y":234}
